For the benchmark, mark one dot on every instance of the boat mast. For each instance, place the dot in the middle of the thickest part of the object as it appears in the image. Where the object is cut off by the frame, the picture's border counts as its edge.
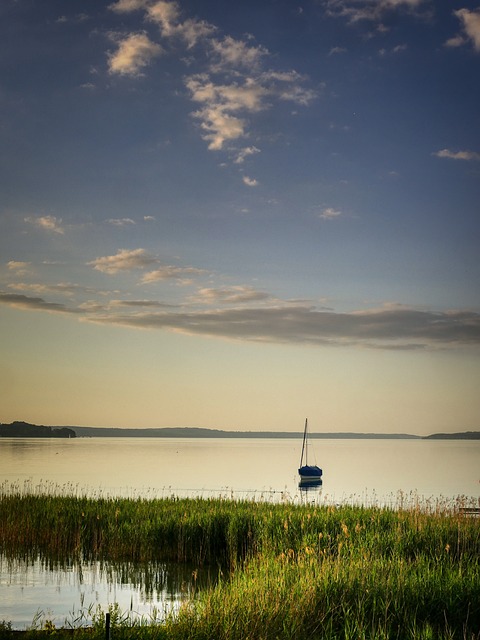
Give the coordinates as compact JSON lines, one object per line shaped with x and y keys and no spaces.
{"x":304,"y":445}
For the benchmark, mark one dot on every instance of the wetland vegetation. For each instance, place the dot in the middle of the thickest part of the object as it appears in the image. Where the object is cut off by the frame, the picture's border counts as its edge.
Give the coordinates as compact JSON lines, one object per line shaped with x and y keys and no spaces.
{"x":285,"y":571}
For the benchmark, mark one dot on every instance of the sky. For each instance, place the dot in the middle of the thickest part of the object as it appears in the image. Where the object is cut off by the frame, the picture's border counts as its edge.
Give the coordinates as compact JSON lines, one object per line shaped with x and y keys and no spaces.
{"x":239,"y":215}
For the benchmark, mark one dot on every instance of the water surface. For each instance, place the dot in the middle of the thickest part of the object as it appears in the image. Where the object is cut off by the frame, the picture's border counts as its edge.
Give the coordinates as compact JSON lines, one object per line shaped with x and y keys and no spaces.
{"x":353,"y":469}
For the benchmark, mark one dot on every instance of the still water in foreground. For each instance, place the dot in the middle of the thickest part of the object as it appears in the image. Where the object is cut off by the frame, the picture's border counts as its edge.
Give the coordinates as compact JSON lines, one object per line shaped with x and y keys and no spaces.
{"x":378,"y":472}
{"x":33,"y":592}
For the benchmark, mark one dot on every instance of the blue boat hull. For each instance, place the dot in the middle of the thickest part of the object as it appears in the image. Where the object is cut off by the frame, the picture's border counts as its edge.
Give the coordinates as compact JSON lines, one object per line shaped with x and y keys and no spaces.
{"x":310,"y":472}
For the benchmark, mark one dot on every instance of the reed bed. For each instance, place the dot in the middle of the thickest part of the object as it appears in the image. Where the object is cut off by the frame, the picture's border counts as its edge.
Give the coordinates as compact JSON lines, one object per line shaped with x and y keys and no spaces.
{"x":287,"y":571}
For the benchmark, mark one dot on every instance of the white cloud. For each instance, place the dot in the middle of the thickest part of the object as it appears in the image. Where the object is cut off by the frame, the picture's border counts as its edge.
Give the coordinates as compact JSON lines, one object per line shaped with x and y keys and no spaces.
{"x":230,"y":97}
{"x":166,"y":15}
{"x":127,"y":260}
{"x":49,"y":223}
{"x":123,"y":260}
{"x":168,"y":272}
{"x":120,"y":222}
{"x":222,"y":117}
{"x":242,"y":89}
{"x":220,"y":126}
{"x":192,"y":31}
{"x":456,"y":41}
{"x":457,"y":155}
{"x":471,"y":29}
{"x":134,"y":52}
{"x":237,"y":53}
{"x":250,"y":182}
{"x":125,"y":6}
{"x":330,"y":213}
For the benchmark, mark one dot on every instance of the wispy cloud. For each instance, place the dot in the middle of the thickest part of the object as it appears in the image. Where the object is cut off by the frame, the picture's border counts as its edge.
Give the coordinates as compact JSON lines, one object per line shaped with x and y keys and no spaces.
{"x":169,"y":272}
{"x":123,"y":260}
{"x":138,"y":304}
{"x":406,"y":329}
{"x":134,"y":52}
{"x":250,"y":182}
{"x":132,"y":259}
{"x":396,"y":328}
{"x":64,"y":288}
{"x":375,"y":10}
{"x":244,"y":153}
{"x":336,"y":50}
{"x":18,"y":268}
{"x":94,"y":307}
{"x":231,"y":295}
{"x":33,"y":304}
{"x":457,"y":155}
{"x":329,"y":213}
{"x":121,"y":222}
{"x":470,"y":23}
{"x":79,"y":17}
{"x":356,"y":10}
{"x":49,"y":223}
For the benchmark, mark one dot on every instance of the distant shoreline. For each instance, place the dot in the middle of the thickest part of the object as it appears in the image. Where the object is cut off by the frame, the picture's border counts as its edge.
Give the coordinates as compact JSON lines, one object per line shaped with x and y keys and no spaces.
{"x":20,"y":429}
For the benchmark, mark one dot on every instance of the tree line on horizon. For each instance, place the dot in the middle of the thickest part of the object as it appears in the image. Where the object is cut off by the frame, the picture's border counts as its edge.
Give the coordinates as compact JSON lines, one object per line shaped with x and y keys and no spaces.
{"x":20,"y":429}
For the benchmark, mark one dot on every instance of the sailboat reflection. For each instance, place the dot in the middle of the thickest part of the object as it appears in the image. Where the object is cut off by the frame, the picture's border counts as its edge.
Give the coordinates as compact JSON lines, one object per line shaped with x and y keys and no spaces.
{"x":310,"y":485}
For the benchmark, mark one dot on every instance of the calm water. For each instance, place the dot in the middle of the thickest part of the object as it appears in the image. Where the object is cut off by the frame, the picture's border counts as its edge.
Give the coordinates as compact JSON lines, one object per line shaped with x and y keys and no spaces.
{"x":365,"y":470}
{"x":33,"y":592}
{"x":361,"y":471}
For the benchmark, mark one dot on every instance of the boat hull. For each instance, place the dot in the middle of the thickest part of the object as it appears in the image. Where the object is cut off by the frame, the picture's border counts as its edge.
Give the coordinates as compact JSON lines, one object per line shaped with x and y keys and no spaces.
{"x":310,"y":472}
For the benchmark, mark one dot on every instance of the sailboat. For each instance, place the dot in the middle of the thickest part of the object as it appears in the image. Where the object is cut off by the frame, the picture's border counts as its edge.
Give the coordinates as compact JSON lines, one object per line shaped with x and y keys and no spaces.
{"x":308,"y":473}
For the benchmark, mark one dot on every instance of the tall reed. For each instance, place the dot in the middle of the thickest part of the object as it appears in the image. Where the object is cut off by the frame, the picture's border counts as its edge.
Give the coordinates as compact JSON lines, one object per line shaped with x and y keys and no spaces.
{"x":289,"y":571}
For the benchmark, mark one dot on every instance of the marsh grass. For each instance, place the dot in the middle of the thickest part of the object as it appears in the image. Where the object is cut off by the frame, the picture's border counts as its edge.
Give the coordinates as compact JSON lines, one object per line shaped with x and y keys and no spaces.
{"x":286,"y":571}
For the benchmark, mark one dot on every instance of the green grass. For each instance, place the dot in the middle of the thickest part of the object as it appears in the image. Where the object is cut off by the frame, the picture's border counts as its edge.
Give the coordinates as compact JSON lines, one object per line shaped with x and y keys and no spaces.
{"x":289,"y":571}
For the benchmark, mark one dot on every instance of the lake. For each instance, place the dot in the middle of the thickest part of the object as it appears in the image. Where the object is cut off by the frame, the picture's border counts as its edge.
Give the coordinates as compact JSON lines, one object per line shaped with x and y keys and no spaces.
{"x":354,"y":470}
{"x":371,"y":472}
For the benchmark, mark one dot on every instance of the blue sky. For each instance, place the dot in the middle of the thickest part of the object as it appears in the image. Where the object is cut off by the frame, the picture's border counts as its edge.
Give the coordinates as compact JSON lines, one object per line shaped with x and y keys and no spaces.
{"x":236,"y":215}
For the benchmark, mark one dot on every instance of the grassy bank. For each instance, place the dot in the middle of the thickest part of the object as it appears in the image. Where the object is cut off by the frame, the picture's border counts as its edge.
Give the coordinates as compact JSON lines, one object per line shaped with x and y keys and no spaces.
{"x":289,"y":571}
